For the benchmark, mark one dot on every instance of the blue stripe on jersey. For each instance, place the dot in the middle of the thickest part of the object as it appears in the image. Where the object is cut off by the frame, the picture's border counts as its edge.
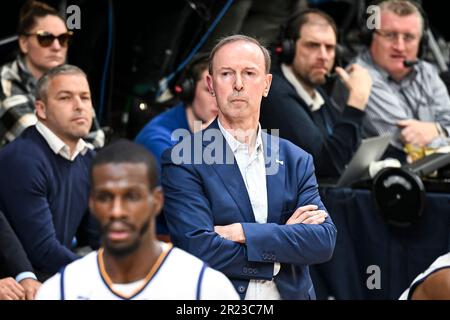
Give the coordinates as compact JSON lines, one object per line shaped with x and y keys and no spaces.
{"x":61,"y":283}
{"x":199,"y":282}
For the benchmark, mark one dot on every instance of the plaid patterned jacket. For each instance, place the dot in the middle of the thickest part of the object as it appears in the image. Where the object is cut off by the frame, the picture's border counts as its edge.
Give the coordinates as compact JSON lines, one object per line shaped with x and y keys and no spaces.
{"x":17,"y":87}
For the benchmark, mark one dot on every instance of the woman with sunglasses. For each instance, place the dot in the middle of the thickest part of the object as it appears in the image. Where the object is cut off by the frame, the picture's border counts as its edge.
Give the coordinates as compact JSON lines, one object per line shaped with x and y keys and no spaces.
{"x":43,"y":44}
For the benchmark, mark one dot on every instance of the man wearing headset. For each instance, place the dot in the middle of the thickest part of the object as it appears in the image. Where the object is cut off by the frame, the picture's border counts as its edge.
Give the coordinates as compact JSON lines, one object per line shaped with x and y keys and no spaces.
{"x":408,"y":98}
{"x":302,"y":111}
{"x":196,"y":110}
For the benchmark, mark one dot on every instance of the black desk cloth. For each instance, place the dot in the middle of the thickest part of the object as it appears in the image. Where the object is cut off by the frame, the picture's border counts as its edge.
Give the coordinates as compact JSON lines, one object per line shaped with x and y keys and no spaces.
{"x":365,"y":239}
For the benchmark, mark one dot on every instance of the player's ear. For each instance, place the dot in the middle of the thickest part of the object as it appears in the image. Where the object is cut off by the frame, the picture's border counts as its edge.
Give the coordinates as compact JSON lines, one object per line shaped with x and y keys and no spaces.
{"x":91,"y":203}
{"x":157,"y":200}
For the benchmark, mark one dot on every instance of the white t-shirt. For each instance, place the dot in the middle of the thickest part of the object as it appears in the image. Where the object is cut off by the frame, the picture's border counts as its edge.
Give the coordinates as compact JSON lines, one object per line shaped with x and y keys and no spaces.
{"x":440,"y":263}
{"x":177,"y":275}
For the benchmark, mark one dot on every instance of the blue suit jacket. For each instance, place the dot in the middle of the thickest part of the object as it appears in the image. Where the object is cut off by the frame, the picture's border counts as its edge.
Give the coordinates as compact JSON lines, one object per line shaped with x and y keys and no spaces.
{"x":199,"y":196}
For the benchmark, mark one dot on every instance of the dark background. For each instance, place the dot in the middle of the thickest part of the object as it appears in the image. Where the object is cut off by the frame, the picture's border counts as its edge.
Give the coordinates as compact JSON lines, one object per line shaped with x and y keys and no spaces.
{"x":149,"y":40}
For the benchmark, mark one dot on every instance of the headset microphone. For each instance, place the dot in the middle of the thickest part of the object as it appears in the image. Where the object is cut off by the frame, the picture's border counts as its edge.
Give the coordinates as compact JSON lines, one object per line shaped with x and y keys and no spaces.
{"x":410,"y":63}
{"x":331,"y":76}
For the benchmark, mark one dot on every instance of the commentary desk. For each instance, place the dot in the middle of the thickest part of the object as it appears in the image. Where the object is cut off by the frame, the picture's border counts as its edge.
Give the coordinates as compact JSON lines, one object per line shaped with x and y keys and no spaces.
{"x":374,"y":260}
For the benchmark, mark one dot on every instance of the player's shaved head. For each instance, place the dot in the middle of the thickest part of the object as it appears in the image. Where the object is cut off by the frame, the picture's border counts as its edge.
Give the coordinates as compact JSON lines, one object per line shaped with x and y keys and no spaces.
{"x":125,"y":151}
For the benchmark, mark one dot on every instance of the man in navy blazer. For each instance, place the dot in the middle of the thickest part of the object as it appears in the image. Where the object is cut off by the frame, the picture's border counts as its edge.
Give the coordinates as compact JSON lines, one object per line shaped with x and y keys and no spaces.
{"x":244,"y":201}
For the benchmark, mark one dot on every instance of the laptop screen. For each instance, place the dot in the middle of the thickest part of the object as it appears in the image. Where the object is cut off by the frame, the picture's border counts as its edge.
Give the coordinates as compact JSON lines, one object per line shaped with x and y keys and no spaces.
{"x":369,"y":150}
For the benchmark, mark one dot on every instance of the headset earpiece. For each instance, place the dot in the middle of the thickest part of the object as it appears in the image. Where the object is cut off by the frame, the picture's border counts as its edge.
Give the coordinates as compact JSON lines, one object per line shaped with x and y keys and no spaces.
{"x":286,"y":51}
{"x":286,"y":47}
{"x":184,"y":88}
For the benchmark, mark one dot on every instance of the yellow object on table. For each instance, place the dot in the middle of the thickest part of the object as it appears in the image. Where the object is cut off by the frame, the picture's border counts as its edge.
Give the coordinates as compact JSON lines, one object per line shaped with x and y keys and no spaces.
{"x":415,"y":152}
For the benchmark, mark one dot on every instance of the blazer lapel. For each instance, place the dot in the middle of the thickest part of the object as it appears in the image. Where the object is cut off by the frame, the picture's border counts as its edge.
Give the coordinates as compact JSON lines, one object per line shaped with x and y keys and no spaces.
{"x":275,"y":176}
{"x":231,"y":177}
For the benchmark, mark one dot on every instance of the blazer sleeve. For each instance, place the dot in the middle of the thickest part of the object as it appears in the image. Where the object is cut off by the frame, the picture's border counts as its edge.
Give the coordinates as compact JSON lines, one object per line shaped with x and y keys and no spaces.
{"x":191,"y":225}
{"x":13,"y":259}
{"x":299,"y":244}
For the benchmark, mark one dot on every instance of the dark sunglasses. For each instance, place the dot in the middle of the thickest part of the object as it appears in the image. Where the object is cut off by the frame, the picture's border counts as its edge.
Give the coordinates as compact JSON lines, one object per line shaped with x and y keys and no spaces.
{"x":46,"y":39}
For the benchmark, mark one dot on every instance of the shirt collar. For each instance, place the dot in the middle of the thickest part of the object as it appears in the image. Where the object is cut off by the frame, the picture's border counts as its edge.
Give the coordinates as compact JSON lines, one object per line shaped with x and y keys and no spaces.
{"x":235,"y":144}
{"x":58,"y":146}
{"x":313,"y":103}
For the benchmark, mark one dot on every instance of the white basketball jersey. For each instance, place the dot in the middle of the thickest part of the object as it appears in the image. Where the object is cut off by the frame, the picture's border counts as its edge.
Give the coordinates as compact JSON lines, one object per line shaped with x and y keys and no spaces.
{"x":440,"y":263}
{"x":176,"y":275}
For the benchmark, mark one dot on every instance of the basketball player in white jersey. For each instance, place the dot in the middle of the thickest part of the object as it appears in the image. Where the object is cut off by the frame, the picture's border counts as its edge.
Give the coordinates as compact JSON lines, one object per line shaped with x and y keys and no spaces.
{"x":132,"y":264}
{"x":432,"y":284}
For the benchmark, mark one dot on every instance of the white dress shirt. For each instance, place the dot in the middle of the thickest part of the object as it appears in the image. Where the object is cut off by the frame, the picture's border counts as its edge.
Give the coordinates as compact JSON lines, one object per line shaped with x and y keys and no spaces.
{"x":58,"y":146}
{"x":253,"y":171}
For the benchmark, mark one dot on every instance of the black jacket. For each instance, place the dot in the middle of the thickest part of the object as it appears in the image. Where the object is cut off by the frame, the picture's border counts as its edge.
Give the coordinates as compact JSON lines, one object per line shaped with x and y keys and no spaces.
{"x":13,"y":259}
{"x":331,"y":137}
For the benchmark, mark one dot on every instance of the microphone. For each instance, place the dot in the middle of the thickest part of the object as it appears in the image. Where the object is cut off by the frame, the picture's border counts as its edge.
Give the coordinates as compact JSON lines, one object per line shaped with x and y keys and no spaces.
{"x":331,"y":76}
{"x":410,"y":63}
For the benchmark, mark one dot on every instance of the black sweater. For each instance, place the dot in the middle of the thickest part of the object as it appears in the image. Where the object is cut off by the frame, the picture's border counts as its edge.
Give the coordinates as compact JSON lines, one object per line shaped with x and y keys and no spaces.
{"x":45,"y":199}
{"x":13,"y":259}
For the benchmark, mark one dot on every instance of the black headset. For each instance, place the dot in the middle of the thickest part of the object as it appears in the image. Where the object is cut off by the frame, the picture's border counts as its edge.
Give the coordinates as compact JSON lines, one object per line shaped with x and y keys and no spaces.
{"x":366,"y":34}
{"x":184,"y":88}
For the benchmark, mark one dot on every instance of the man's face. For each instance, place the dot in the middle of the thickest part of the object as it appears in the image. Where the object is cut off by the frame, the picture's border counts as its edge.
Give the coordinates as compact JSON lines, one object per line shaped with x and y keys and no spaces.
{"x":67,"y":109}
{"x":41,"y":58}
{"x":124,"y":205}
{"x":204,"y":104}
{"x":314,"y":53}
{"x":397,"y":40}
{"x":239,"y":80}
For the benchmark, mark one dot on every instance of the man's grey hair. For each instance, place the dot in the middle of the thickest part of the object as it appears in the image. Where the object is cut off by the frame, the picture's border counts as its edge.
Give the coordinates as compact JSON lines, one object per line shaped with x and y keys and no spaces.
{"x":42,"y":84}
{"x":403,"y":8}
{"x":235,"y":38}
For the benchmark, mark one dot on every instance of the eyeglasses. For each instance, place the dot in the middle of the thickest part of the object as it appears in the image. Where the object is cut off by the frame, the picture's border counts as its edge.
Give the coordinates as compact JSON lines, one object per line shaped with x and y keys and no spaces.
{"x":46,"y":39}
{"x":392,"y":36}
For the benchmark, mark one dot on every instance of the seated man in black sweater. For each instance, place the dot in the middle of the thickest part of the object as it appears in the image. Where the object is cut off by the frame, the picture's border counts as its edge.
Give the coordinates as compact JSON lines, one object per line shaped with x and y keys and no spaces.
{"x":45,"y":174}
{"x":302,"y":112}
